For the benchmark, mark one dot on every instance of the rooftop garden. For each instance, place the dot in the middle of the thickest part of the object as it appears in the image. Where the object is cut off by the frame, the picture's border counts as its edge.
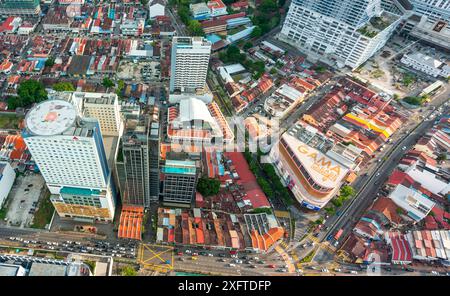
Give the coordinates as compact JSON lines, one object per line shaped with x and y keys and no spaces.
{"x":379,"y":23}
{"x":367,"y":32}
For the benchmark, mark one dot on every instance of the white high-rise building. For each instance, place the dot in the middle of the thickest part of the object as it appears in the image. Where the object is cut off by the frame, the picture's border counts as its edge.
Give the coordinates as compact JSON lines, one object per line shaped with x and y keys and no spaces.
{"x":433,"y":9}
{"x":102,"y":106}
{"x":189,"y":63}
{"x":70,"y":154}
{"x":346,"y":32}
{"x":430,"y":22}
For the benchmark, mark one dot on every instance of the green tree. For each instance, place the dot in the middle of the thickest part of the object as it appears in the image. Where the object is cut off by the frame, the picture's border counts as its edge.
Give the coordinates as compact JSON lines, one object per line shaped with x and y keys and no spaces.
{"x":183,"y":13}
{"x":347,"y":191}
{"x":63,"y":86}
{"x":442,"y":157}
{"x":120,"y":87}
{"x":107,"y":82}
{"x":195,"y":28}
{"x":248,"y":45}
{"x":257,"y":32}
{"x":29,"y":92}
{"x":128,"y":271}
{"x":262,"y":210}
{"x":208,"y":186}
{"x":417,"y":101}
{"x":50,"y":62}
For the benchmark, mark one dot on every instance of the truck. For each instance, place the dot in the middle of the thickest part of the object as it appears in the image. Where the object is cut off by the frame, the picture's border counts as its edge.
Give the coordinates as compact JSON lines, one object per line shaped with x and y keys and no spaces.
{"x":338,"y":234}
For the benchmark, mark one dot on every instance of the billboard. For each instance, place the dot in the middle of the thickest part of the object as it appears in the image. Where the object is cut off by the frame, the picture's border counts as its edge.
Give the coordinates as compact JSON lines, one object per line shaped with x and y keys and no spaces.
{"x":439,"y":26}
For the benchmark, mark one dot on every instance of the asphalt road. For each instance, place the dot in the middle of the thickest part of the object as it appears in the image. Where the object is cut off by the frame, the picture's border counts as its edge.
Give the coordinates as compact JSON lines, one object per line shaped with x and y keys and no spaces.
{"x":214,"y":264}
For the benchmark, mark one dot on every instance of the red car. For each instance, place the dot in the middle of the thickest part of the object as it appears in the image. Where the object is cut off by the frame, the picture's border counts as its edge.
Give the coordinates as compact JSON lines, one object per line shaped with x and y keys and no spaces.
{"x":271,"y":266}
{"x":180,"y":253}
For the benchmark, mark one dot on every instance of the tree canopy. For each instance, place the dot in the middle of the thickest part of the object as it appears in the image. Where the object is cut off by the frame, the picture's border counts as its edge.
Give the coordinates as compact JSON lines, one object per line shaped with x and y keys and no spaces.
{"x":257,"y":32}
{"x":208,"y":186}
{"x":50,"y":62}
{"x":248,"y":45}
{"x":63,"y":86}
{"x":195,"y":28}
{"x":128,"y":271}
{"x":29,"y":92}
{"x":107,"y":82}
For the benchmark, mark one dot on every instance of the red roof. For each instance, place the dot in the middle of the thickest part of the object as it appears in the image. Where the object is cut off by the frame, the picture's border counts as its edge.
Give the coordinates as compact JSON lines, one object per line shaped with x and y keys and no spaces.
{"x":400,"y":248}
{"x":388,"y":208}
{"x":230,"y":16}
{"x":131,"y":222}
{"x":239,"y":4}
{"x":398,"y":177}
{"x":248,"y":180}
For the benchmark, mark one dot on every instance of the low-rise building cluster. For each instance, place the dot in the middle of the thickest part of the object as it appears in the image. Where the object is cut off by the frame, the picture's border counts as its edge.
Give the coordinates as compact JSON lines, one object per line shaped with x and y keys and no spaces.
{"x":409,"y":219}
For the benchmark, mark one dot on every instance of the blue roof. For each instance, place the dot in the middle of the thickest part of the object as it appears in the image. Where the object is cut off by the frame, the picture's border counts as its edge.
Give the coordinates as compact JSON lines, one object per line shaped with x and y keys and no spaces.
{"x":213,"y":38}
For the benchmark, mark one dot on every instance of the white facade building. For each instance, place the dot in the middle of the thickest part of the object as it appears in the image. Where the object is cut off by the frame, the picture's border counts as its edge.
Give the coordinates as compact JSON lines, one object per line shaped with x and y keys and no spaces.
{"x":429,"y":180}
{"x":429,"y":22}
{"x":217,"y":8}
{"x":70,"y":154}
{"x":416,"y":205}
{"x":283,"y":100}
{"x":189,"y":63}
{"x":7,"y":177}
{"x":426,"y":64}
{"x":156,"y":8}
{"x":132,"y":27}
{"x":433,"y":9}
{"x":346,"y":32}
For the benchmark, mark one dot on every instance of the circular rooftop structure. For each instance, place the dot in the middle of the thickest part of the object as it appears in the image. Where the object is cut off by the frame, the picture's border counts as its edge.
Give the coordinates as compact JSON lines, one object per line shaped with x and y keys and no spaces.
{"x":50,"y":118}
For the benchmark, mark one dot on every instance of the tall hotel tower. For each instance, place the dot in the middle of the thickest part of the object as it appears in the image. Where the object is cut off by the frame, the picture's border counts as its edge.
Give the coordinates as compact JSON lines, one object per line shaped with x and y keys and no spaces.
{"x":70,"y":154}
{"x":189,"y":63}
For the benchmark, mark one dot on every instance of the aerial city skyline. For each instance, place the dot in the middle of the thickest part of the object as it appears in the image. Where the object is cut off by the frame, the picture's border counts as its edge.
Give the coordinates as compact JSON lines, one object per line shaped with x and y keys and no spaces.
{"x":224,"y":137}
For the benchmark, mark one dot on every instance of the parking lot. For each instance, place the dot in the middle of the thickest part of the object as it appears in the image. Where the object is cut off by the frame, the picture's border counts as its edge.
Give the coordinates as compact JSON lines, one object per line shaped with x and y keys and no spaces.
{"x":23,"y":199}
{"x":139,"y":71}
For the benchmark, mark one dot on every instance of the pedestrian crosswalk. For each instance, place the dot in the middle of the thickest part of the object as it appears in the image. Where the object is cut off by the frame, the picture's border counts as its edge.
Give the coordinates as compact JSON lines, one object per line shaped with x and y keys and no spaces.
{"x":284,"y":245}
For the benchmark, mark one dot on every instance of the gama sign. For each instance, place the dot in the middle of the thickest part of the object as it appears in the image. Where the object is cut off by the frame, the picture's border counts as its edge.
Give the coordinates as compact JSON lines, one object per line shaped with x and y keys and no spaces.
{"x":321,"y":164}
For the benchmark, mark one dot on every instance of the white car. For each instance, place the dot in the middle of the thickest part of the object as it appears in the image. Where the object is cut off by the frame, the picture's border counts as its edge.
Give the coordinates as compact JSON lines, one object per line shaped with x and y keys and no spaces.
{"x":210,"y":254}
{"x":325,"y":270}
{"x":188,"y":251}
{"x":337,"y":269}
{"x":232,"y":265}
{"x":353,"y":272}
